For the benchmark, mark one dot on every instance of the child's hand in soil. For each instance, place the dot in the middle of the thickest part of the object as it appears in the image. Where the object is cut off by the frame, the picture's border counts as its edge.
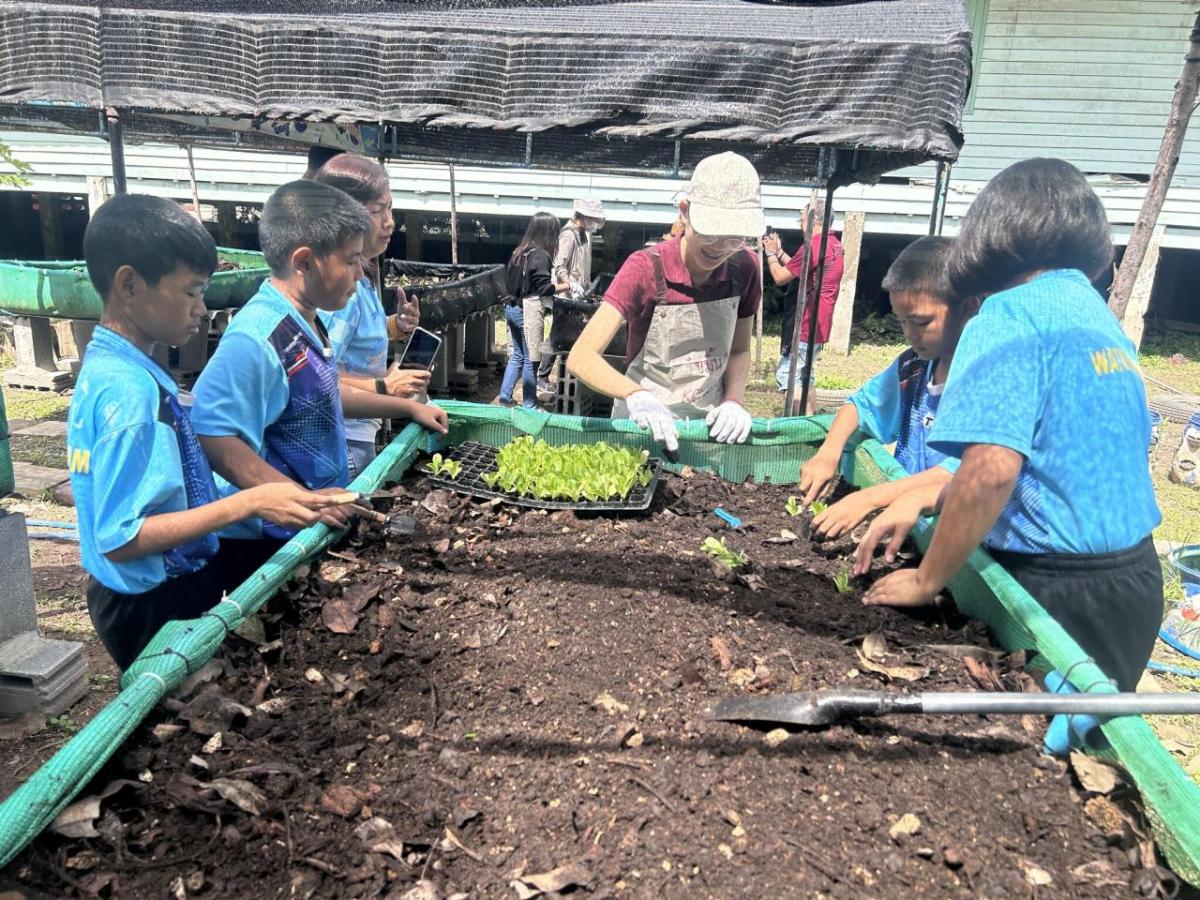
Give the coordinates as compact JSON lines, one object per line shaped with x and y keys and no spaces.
{"x":904,"y":587}
{"x":842,"y":518}
{"x":432,"y":417}
{"x":816,"y":475}
{"x":289,"y":505}
{"x":892,"y":525}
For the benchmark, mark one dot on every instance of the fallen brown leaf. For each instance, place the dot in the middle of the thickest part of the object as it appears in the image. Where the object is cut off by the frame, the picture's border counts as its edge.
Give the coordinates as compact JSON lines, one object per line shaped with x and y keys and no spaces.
{"x":241,"y":794}
{"x":1094,"y":775}
{"x":360,"y":594}
{"x":982,"y":674}
{"x":339,"y":616}
{"x":556,"y":880}
{"x":79,"y":819}
{"x":342,"y":800}
{"x":874,"y":646}
{"x":721,"y":649}
{"x":909,"y":672}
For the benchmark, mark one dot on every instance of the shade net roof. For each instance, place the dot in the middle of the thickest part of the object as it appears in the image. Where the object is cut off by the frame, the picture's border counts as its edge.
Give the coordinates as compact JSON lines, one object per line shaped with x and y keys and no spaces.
{"x":606,"y":84}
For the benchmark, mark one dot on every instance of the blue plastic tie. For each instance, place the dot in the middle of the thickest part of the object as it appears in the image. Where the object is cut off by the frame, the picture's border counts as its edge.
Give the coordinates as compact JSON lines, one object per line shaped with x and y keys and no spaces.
{"x":729,"y":518}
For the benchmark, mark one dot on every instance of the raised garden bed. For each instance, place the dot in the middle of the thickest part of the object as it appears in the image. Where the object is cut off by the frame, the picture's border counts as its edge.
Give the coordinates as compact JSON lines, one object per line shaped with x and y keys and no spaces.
{"x":515,"y":701}
{"x":61,"y":288}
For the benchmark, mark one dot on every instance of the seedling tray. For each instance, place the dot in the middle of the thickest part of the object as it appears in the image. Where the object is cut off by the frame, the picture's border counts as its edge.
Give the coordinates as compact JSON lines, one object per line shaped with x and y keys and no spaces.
{"x":478,"y":459}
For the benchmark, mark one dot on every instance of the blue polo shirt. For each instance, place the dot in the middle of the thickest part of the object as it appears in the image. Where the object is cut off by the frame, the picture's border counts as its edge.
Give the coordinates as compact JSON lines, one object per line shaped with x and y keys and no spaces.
{"x":273,"y":383}
{"x":900,"y":405}
{"x":1045,"y":370}
{"x":358,"y":334}
{"x":132,"y":455}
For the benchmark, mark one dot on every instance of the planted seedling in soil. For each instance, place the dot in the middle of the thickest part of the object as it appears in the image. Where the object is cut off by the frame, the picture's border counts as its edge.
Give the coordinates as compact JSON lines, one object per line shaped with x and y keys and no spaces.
{"x":715,"y":548}
{"x":793,"y":506}
{"x":576,"y":472}
{"x":818,"y":507}
{"x":842,"y":581}
{"x":447,"y":467}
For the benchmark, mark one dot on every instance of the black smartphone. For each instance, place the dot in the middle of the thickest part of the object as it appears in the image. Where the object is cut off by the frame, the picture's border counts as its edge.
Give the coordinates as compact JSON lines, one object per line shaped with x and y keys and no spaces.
{"x":421,"y":350}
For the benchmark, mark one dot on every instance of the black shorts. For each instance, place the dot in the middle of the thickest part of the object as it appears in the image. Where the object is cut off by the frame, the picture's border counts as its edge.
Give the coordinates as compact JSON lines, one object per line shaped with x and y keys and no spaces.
{"x":127,"y":622}
{"x":1110,"y":603}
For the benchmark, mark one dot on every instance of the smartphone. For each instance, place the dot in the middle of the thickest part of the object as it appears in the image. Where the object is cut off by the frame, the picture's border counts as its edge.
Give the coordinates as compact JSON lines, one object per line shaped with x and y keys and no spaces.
{"x":421,"y":350}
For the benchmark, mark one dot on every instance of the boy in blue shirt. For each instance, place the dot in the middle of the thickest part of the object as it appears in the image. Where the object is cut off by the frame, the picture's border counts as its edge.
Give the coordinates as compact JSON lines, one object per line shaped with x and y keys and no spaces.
{"x":268,"y":404}
{"x":899,"y":404}
{"x":148,"y":507}
{"x":1046,"y":408}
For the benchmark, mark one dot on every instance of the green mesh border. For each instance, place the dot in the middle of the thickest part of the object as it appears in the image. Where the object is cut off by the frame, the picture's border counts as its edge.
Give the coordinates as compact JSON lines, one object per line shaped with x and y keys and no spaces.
{"x":982,"y":589}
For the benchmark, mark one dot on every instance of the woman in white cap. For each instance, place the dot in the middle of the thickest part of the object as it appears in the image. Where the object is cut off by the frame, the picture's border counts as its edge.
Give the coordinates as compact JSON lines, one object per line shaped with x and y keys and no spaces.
{"x":688,"y":304}
{"x":572,"y":276}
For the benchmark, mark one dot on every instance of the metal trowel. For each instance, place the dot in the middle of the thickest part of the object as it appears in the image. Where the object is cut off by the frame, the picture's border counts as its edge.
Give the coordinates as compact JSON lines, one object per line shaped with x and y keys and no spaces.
{"x":396,"y":525}
{"x":822,"y":708}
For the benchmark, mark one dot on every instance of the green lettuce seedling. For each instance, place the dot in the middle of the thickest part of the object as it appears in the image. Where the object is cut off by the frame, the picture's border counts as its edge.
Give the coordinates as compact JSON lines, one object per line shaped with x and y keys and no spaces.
{"x":448,"y":467}
{"x":734,"y":559}
{"x":576,"y":472}
{"x":792,"y":507}
{"x":818,"y":507}
{"x":841,"y":581}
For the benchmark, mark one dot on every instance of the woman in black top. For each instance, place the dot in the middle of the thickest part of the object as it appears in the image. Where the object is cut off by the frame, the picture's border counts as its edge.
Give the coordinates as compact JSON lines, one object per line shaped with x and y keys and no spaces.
{"x":529,"y":275}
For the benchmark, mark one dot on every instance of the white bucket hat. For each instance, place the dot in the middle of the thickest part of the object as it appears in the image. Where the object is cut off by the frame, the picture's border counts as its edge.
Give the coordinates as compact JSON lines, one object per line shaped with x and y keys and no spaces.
{"x":725,"y":197}
{"x":589,"y":207}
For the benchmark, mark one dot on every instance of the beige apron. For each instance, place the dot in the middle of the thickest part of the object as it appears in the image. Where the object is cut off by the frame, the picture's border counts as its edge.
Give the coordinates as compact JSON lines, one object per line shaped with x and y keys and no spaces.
{"x":686,"y":351}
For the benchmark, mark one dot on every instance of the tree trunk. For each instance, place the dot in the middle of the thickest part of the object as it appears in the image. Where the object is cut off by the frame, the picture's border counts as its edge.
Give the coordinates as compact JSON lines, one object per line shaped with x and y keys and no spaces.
{"x":1160,"y":179}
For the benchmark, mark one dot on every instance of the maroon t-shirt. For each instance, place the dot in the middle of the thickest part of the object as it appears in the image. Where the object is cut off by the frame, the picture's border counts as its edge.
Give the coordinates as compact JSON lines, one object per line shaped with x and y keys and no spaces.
{"x":831,"y":283}
{"x":634,"y":294}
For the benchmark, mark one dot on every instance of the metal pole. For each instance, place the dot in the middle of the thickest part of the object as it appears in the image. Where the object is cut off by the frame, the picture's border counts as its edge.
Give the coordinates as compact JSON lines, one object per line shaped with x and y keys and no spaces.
{"x":945,"y":197}
{"x":937,"y":195}
{"x":811,"y":346}
{"x":758,"y":318}
{"x":453,"y":218}
{"x":116,"y":147}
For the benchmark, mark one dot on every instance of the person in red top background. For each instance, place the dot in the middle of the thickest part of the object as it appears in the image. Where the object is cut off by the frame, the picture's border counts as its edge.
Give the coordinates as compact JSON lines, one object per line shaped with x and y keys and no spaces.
{"x":785,"y":268}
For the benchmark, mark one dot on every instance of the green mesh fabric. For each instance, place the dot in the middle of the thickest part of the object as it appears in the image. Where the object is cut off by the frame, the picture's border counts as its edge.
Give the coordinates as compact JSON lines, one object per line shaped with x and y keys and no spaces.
{"x":775,"y":451}
{"x":6,"y":466}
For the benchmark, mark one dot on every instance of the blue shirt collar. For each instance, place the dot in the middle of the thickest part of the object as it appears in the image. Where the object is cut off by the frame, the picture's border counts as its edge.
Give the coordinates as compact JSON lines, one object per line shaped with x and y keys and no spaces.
{"x":275,"y":297}
{"x":108,"y":341}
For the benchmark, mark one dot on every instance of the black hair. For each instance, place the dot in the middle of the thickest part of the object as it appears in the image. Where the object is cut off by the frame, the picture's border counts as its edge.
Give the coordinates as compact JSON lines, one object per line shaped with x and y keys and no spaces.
{"x":921,"y":269}
{"x":541,"y":232}
{"x":1037,"y":214}
{"x":308,"y":214}
{"x":318,"y":156}
{"x":151,"y":234}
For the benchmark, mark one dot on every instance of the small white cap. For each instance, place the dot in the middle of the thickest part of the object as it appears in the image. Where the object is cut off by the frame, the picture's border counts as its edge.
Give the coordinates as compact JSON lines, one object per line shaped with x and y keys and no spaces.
{"x":725,"y":197}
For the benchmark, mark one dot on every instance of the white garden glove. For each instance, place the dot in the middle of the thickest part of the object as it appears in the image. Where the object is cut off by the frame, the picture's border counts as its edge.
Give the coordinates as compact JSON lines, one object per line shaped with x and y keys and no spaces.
{"x":729,"y":423}
{"x":647,"y":411}
{"x":576,"y":289}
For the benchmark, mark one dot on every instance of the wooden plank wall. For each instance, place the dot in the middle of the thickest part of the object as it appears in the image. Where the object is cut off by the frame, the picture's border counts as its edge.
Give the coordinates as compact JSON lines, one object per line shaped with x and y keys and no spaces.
{"x":1089,"y":81}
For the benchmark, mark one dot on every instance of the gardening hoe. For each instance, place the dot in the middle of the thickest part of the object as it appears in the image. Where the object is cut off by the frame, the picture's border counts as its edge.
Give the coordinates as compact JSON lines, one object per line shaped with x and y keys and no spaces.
{"x":821,"y":708}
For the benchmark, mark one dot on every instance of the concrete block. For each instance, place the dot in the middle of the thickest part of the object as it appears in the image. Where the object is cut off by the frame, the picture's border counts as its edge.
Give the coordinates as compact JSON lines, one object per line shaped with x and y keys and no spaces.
{"x":30,"y":480}
{"x":18,"y":613}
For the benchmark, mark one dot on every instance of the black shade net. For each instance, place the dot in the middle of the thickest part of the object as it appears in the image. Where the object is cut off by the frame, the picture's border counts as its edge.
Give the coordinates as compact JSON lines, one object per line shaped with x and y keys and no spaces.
{"x":607,"y":84}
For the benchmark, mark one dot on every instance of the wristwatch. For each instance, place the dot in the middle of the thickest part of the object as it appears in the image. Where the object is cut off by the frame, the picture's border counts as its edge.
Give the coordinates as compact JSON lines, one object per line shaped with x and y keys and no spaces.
{"x":380,"y":386}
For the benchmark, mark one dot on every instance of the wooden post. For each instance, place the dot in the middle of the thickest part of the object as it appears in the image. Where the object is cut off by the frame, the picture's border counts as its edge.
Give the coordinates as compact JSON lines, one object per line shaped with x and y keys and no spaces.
{"x":226,"y":223}
{"x":98,"y":192}
{"x":1160,"y":179}
{"x":413,"y":236}
{"x":1134,"y":322}
{"x":192,"y":181}
{"x":853,"y":226}
{"x":50,"y":217}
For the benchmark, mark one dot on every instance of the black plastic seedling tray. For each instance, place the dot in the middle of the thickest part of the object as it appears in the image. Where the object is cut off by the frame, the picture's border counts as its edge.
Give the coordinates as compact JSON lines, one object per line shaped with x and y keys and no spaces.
{"x":478,"y":459}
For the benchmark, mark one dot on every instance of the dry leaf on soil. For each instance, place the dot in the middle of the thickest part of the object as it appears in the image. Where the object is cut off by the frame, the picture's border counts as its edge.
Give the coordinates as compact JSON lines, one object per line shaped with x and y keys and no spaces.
{"x":1094,"y":775}
{"x":79,"y":819}
{"x":339,"y":616}
{"x":874,"y":646}
{"x":241,"y":794}
{"x":982,"y":674}
{"x":910,"y":672}
{"x":342,"y":800}
{"x":556,"y":880}
{"x":1036,"y":876}
{"x":721,"y":649}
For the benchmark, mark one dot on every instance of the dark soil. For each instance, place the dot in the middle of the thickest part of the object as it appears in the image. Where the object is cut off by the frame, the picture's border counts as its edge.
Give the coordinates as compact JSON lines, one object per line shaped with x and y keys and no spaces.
{"x":517,"y":693}
{"x":226,"y":265}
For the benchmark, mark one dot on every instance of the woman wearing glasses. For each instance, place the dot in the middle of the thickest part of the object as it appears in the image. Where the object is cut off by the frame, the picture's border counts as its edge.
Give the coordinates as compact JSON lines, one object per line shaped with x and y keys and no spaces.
{"x":688,"y":304}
